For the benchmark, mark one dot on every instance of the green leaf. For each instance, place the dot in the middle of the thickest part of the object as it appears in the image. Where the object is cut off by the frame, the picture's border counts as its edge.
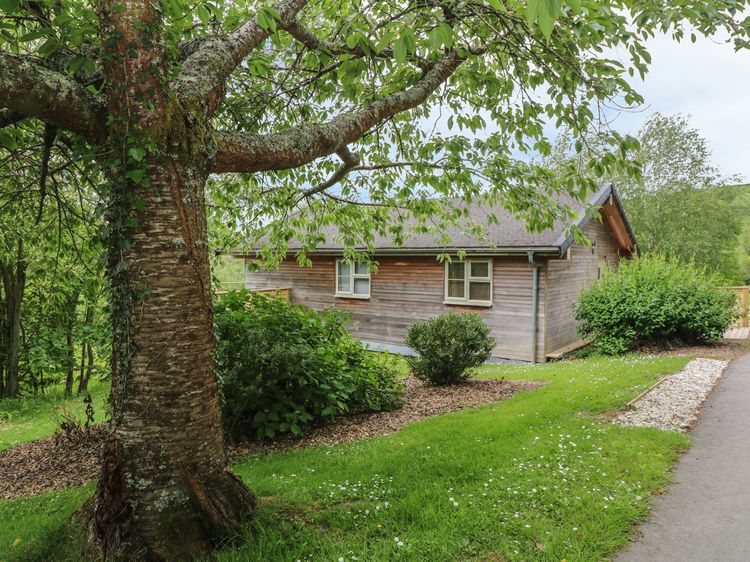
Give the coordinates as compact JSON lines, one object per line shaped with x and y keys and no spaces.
{"x":137,"y":154}
{"x":399,"y":50}
{"x":7,"y":140}
{"x":532,"y":12}
{"x":10,"y":6}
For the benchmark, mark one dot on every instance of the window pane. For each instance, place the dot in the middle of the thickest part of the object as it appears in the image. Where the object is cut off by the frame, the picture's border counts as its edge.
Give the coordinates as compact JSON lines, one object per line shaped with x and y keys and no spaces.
{"x":480,"y":269}
{"x":344,"y":277}
{"x":361,"y":268}
{"x":361,"y":286}
{"x":479,"y":291}
{"x":344,"y":284}
{"x":456,"y":289}
{"x":456,"y":270}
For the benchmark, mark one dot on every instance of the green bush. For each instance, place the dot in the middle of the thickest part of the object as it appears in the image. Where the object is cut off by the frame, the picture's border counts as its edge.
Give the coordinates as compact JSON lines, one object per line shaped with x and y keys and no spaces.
{"x":449,"y":347}
{"x":280,"y":367}
{"x":653,"y":300}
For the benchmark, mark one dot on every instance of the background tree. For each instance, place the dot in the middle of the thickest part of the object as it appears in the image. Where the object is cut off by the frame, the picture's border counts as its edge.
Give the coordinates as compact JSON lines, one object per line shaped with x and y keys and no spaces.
{"x":49,"y":260}
{"x":673,"y":196}
{"x":677,"y":209}
{"x":163,"y":94}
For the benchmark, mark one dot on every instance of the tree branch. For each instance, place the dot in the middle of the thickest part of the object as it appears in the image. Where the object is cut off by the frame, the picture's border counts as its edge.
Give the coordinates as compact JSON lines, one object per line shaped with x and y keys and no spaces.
{"x":349,"y":162}
{"x":205,"y":72}
{"x":30,"y":89}
{"x":315,"y":43}
{"x":243,"y":152}
{"x":8,"y":117}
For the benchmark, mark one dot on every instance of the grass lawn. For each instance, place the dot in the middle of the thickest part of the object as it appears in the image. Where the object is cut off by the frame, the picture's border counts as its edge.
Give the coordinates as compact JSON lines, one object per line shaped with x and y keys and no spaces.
{"x":536,"y":477}
{"x":27,"y":419}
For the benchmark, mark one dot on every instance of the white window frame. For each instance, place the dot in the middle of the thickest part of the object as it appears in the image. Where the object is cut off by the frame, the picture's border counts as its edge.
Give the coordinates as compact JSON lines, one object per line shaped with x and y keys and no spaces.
{"x":468,"y":279}
{"x":352,"y":276}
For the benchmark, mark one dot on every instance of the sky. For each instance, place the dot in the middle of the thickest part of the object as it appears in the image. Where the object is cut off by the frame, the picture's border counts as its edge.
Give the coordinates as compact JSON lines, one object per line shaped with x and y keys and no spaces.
{"x":711,"y":83}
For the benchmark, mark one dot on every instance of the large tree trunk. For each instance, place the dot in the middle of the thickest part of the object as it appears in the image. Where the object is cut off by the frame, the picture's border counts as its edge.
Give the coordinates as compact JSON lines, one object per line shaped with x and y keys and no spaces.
{"x":164,"y":485}
{"x":165,"y":490}
{"x":14,"y":284}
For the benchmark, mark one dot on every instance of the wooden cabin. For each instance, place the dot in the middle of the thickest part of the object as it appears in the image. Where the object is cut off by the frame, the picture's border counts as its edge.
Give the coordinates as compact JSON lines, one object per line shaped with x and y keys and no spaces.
{"x":523,"y":284}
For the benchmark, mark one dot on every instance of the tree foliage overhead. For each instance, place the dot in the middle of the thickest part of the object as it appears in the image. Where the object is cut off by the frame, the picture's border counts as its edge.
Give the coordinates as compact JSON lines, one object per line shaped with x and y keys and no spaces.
{"x":351,"y":112}
{"x":378,"y":103}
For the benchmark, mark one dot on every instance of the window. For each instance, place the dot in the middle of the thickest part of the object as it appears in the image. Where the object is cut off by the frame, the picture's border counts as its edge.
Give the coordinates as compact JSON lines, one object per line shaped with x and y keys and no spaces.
{"x":352,"y":280}
{"x":469,"y":282}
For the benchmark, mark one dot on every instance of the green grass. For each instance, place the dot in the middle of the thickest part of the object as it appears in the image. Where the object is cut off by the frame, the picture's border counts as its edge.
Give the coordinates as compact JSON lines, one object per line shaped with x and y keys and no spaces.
{"x":537,"y":477}
{"x":27,"y":419}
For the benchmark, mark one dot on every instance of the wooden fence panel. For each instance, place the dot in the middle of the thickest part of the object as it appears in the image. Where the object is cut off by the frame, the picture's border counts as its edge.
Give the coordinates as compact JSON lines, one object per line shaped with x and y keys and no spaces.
{"x":743,"y":303}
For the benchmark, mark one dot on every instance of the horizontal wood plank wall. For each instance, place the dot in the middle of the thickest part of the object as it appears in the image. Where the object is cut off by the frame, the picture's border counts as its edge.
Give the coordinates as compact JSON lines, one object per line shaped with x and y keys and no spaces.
{"x":405,"y":290}
{"x":566,"y":278}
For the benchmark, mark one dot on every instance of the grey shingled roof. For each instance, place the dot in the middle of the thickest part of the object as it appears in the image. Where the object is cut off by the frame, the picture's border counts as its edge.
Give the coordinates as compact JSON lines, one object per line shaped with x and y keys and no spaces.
{"x":507,"y":235}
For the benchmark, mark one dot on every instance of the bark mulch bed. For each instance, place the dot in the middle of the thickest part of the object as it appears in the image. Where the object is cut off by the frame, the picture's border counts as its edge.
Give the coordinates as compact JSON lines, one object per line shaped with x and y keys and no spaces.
{"x":50,"y":464}
{"x":722,"y":349}
{"x":420,"y":401}
{"x":58,"y":462}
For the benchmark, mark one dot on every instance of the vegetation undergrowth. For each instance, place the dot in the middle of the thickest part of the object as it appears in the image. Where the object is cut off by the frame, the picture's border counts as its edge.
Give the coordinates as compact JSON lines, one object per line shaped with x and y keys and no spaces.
{"x":29,"y":418}
{"x":536,"y":477}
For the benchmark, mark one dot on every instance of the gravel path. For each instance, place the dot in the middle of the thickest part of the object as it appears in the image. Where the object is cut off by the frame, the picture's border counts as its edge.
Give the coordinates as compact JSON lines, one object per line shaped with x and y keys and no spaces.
{"x":676,"y":402}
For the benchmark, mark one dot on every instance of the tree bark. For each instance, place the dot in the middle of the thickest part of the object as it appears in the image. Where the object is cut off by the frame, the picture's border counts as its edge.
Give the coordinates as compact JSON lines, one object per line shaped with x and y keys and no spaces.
{"x":83,"y":384}
{"x":70,"y":309}
{"x":87,"y":352}
{"x":14,"y":283}
{"x":164,"y":486}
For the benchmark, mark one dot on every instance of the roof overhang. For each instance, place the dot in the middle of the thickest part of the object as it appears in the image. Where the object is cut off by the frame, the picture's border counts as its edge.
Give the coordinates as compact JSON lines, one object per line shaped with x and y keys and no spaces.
{"x":612,"y":214}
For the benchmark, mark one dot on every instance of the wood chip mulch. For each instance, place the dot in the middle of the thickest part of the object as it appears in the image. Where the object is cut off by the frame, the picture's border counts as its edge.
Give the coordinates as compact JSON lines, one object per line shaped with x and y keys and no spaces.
{"x":51,"y":464}
{"x":420,"y":401}
{"x":723,"y":349}
{"x":57,"y":462}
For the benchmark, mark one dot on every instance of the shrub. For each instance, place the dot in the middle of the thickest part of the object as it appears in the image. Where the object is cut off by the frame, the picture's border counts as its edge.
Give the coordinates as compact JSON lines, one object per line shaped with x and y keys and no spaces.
{"x":280,"y":367}
{"x":653,"y":300}
{"x":449,"y":346}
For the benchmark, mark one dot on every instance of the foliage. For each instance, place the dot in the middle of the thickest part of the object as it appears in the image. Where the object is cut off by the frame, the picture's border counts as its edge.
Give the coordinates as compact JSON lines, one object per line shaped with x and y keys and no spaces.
{"x":672,"y":203}
{"x":449,"y":347}
{"x":740,"y":197}
{"x":676,"y":210}
{"x":49,"y":231}
{"x":653,"y":300}
{"x":281,"y":367}
{"x":577,"y":483}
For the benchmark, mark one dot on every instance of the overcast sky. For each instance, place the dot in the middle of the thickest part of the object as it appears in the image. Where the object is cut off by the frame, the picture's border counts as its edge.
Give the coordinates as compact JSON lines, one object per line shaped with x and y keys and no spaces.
{"x":708,"y":81}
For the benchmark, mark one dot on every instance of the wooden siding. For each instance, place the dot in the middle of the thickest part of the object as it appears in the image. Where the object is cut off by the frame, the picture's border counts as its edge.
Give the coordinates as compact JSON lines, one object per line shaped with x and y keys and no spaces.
{"x":407,"y":289}
{"x":566,"y":278}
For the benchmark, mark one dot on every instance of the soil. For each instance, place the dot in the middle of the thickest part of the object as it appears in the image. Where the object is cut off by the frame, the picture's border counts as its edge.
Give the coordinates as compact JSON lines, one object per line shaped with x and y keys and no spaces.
{"x":59,"y":462}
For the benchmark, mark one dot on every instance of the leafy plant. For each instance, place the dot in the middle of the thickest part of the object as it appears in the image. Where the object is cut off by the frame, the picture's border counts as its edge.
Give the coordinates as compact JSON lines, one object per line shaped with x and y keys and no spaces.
{"x":653,"y":300}
{"x":281,"y":367}
{"x":449,"y":346}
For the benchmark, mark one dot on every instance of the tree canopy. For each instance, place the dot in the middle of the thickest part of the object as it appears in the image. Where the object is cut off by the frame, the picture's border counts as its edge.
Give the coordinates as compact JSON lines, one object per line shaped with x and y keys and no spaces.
{"x":305,"y":112}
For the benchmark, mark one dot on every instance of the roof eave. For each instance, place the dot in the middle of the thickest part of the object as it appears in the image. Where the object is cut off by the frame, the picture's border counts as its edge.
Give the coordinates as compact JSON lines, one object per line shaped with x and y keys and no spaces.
{"x":485,"y":251}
